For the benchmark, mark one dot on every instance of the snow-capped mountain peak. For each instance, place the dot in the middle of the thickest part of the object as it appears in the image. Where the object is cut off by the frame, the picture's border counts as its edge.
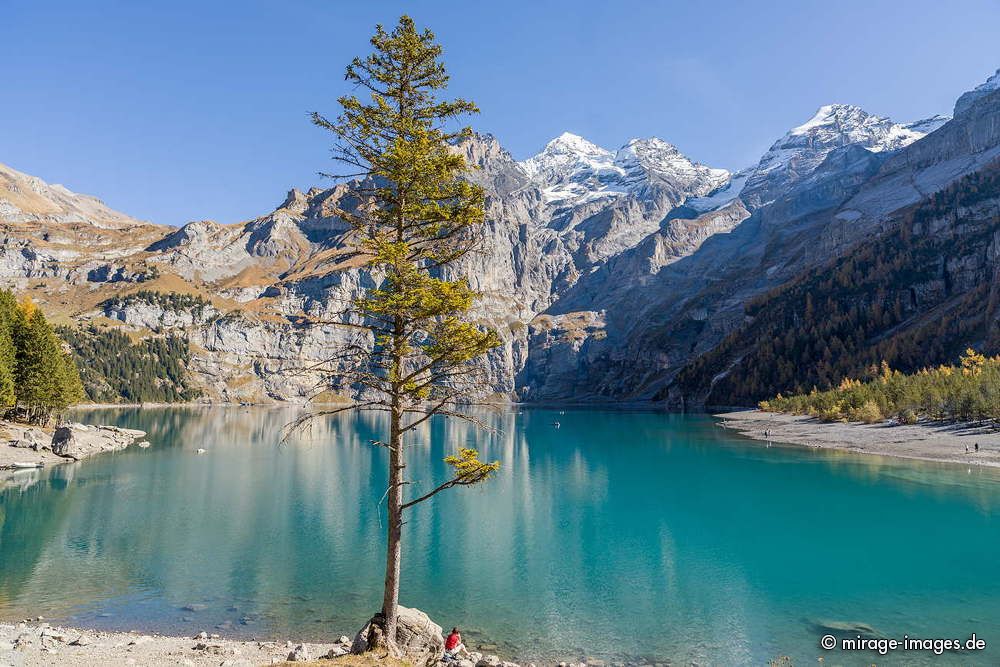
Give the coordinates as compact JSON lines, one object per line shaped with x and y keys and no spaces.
{"x":566,"y":154}
{"x":654,"y":160}
{"x":842,"y":124}
{"x":830,"y":115}
{"x":803,"y":148}
{"x":574,"y":142}
{"x":571,"y":170}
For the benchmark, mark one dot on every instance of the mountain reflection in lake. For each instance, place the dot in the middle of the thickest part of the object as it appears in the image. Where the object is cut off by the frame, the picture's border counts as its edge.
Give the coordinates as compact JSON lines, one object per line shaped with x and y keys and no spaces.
{"x":620,"y":534}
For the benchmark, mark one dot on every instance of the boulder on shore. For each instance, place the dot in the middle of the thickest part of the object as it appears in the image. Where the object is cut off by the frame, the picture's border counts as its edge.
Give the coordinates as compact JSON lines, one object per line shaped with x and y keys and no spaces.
{"x":32,"y":438}
{"x":418,"y":638}
{"x":78,"y":441}
{"x":299,"y":654}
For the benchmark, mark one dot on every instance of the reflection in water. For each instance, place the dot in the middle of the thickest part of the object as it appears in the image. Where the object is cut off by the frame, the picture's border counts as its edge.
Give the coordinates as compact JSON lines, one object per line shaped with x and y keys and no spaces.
{"x":617,"y":535}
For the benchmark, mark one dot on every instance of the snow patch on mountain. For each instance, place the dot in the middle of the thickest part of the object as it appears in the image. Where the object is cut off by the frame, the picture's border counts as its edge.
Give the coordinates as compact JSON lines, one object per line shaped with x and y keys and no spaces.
{"x":721,"y":197}
{"x":927,"y":125}
{"x":965,"y":101}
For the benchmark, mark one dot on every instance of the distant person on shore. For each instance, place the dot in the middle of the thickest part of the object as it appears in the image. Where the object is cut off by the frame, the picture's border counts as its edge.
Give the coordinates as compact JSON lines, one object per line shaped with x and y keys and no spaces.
{"x":453,"y":645}
{"x":977,"y":446}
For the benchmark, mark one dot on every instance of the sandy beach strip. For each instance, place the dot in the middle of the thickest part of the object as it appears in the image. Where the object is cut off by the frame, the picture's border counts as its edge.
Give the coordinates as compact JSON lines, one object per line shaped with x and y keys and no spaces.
{"x":929,"y":441}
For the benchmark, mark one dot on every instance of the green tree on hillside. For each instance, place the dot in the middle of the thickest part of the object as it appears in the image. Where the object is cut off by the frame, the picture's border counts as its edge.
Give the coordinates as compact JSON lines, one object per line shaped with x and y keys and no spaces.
{"x":37,"y":377}
{"x":114,"y":368}
{"x":9,"y":315}
{"x":45,"y":378}
{"x":416,"y":214}
{"x":967,"y":392}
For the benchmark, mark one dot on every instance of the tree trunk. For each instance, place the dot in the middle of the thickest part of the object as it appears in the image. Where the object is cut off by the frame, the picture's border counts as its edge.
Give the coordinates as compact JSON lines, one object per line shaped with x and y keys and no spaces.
{"x":385,"y":639}
{"x":382,"y":627}
{"x":390,"y":599}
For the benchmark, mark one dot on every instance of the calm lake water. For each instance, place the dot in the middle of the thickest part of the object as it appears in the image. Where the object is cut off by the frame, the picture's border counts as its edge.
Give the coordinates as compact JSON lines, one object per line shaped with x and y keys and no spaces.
{"x":620,"y":535}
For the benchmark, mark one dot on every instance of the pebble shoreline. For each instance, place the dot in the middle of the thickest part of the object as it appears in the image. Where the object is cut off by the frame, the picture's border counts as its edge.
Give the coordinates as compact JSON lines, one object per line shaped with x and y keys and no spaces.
{"x":944,"y":442}
{"x":38,"y":643}
{"x":35,"y":643}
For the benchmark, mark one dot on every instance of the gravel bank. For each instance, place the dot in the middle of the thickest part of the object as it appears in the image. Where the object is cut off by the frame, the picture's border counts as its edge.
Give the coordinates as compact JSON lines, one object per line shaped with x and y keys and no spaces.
{"x":929,"y":441}
{"x":36,"y":644}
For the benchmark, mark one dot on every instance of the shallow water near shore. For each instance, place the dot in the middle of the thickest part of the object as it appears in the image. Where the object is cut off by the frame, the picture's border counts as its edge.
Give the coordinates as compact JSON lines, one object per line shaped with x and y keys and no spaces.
{"x":624,"y":536}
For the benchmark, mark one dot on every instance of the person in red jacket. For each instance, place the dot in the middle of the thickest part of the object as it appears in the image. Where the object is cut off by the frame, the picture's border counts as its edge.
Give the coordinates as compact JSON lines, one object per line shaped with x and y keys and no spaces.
{"x":453,"y":644}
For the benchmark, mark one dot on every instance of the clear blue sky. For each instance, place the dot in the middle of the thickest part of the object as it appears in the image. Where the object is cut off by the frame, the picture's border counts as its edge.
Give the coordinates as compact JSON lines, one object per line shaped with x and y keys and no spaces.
{"x":182,"y":110}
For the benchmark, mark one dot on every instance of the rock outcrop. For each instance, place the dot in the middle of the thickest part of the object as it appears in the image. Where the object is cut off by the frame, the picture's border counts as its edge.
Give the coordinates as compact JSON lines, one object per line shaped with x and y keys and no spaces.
{"x":78,"y":441}
{"x":419,"y":639}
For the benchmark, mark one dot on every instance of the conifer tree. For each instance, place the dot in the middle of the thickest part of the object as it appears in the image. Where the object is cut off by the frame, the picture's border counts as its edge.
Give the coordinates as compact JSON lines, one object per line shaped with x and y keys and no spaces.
{"x":8,"y":317}
{"x":415,"y":215}
{"x":45,"y":377}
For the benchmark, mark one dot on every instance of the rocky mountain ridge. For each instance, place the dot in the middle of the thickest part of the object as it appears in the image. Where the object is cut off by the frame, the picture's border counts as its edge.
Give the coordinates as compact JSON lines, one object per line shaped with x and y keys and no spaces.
{"x":804,"y":148}
{"x":604,"y":272}
{"x":659,"y":317}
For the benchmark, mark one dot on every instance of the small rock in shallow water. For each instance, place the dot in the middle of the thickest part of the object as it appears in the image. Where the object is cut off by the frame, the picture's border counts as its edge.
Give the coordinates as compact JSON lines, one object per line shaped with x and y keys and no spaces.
{"x":847,"y":628}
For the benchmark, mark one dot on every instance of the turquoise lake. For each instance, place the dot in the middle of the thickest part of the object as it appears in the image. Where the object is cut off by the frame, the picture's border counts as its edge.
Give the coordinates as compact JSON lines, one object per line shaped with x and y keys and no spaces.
{"x":624,"y":536}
